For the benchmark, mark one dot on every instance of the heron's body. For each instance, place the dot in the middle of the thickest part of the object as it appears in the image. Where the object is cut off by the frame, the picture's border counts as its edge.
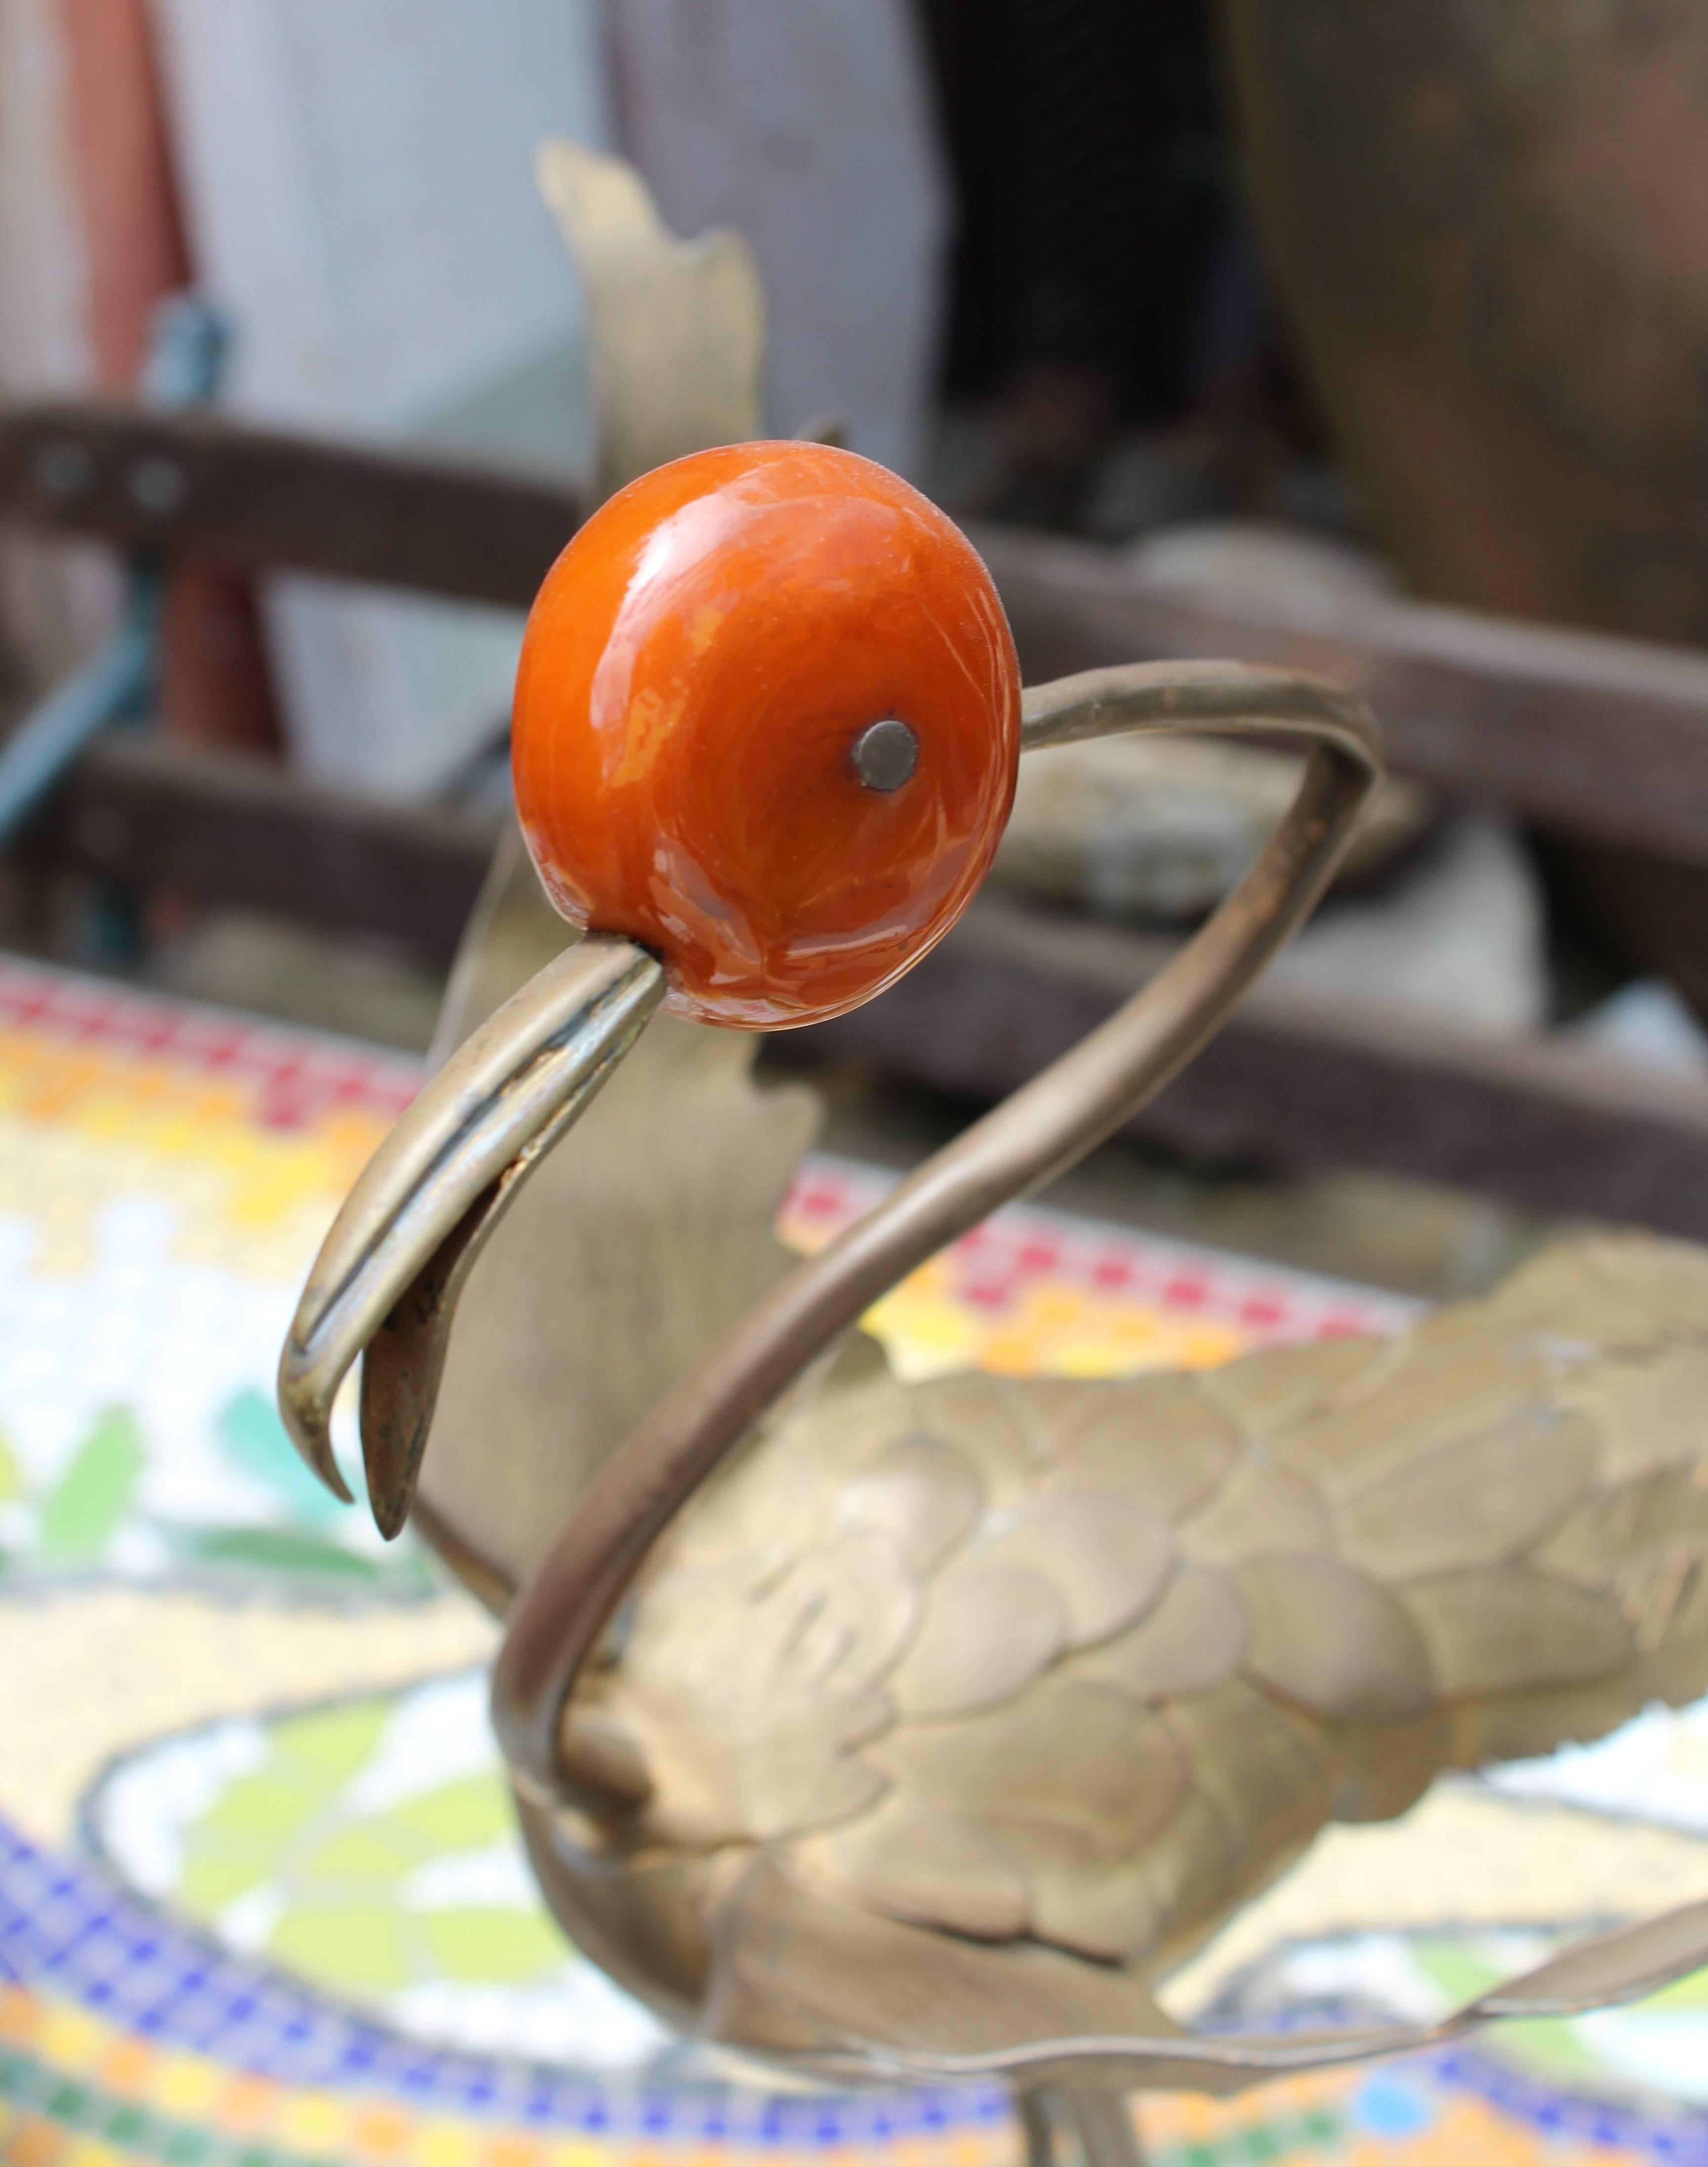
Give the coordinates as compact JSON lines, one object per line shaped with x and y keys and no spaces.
{"x":961,"y":1712}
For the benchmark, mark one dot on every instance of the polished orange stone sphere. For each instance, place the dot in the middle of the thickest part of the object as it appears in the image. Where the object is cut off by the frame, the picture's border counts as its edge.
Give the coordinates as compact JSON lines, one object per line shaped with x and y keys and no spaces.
{"x":767,"y":723}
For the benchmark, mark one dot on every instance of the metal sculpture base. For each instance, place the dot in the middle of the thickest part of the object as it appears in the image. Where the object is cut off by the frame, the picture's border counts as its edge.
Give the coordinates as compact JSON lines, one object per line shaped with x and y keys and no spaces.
{"x":1078,"y":2129}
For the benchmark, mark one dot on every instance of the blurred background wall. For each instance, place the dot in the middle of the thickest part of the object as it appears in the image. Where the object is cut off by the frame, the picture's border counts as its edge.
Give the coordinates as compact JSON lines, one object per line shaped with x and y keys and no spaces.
{"x":1001,"y":202}
{"x":46,"y":342}
{"x":812,"y":129}
{"x":357,"y":178}
{"x":350,"y":182}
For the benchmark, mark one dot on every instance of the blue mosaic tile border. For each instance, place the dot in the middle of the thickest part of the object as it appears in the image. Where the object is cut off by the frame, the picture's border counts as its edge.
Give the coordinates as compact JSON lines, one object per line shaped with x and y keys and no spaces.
{"x":1677,"y":2135}
{"x":65,"y":1927}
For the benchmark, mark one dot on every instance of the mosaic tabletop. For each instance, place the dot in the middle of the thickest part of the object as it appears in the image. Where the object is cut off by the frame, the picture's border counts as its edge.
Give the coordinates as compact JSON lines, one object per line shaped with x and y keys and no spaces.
{"x":260,"y":1898}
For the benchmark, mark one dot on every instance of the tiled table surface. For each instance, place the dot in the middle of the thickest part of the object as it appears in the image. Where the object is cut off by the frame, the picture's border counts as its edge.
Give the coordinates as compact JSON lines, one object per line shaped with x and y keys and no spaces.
{"x":259,"y":1895}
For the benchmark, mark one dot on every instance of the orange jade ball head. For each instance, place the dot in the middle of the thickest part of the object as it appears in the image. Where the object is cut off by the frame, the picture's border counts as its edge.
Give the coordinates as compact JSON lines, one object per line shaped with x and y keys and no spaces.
{"x":767,"y":724}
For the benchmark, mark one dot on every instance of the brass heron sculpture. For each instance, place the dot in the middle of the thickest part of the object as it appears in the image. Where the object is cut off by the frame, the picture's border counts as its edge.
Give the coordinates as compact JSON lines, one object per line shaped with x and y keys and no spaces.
{"x":895,"y":1731}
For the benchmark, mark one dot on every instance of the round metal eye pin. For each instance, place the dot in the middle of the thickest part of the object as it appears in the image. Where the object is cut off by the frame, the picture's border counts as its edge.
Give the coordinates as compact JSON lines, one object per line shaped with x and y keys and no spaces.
{"x":886,"y":754}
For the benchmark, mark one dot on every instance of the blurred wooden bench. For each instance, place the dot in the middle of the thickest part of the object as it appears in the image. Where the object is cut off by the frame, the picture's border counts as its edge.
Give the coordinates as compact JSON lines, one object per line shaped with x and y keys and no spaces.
{"x":1601,"y":739}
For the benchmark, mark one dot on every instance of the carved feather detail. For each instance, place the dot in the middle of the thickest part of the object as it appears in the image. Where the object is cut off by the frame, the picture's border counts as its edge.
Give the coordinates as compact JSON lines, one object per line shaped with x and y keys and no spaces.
{"x":1051,"y":1711}
{"x":1011,"y":1691}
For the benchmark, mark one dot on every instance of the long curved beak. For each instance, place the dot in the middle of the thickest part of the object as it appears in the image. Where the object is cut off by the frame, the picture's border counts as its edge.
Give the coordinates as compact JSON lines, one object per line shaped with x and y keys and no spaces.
{"x":388,"y":1277}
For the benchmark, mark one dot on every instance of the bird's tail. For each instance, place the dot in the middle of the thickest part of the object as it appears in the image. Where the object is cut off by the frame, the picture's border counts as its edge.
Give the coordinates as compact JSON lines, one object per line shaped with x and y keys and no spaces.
{"x":1601,"y":1605}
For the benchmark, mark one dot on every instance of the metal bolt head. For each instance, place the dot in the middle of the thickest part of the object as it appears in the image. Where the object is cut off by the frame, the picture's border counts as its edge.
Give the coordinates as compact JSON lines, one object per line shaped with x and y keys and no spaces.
{"x":886,"y":754}
{"x":157,"y":485}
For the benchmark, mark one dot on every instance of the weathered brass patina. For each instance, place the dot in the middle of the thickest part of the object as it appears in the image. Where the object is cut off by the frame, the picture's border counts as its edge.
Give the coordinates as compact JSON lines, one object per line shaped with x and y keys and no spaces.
{"x":922,"y":1731}
{"x":890,"y":1730}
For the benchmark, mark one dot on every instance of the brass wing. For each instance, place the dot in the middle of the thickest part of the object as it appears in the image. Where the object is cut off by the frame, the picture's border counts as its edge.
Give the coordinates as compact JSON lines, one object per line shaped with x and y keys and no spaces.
{"x":977,"y":1706}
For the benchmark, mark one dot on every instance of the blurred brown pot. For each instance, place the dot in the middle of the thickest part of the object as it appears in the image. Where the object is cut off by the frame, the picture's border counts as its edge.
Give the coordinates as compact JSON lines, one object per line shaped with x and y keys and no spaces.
{"x":1489,"y":220}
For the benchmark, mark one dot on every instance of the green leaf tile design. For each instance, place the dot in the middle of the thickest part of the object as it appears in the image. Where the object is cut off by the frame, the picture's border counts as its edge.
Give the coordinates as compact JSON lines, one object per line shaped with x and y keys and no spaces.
{"x":262,"y":1810}
{"x":370,"y":1847}
{"x":93,"y":1496}
{"x":465,"y":1815}
{"x":254,"y":1442}
{"x":331,"y":1745}
{"x":358,"y":1948}
{"x":251,"y":1514}
{"x":362,"y":1855}
{"x":259,"y":1825}
{"x":211,"y":1877}
{"x":279,"y":1550}
{"x":1683,"y":1993}
{"x":289,"y":1832}
{"x":490,"y":1942}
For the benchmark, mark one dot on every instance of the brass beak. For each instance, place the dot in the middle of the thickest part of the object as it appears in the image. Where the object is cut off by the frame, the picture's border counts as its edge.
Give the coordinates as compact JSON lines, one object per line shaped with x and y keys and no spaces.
{"x":388,"y":1277}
